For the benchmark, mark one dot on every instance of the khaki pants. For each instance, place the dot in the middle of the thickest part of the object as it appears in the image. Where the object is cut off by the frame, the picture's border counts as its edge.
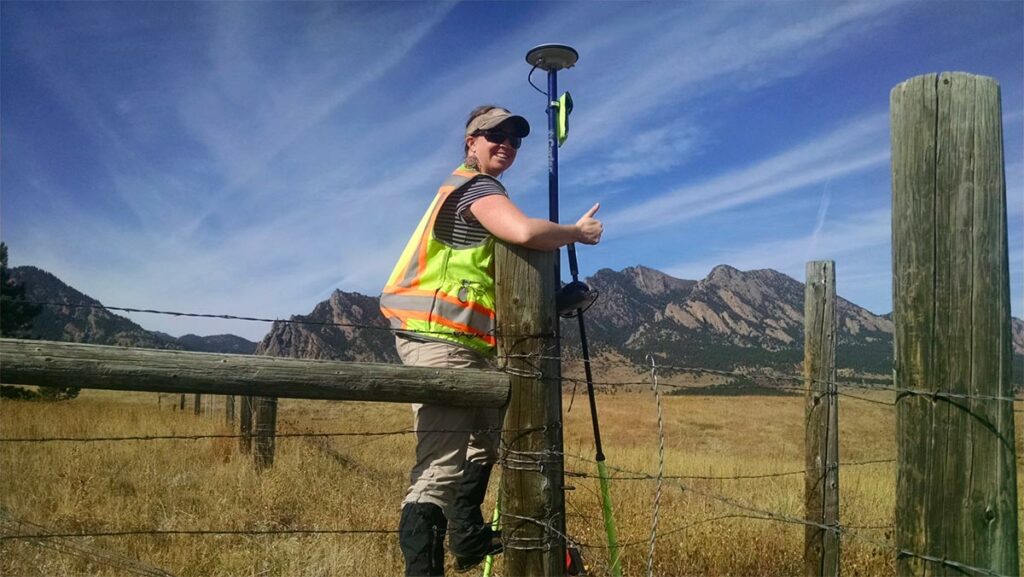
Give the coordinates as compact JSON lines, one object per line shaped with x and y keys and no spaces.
{"x":448,"y":437}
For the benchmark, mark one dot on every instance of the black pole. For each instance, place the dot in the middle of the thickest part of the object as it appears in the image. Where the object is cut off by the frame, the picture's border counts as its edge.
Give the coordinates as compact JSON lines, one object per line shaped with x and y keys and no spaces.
{"x":573,"y":263}
{"x":553,"y":146}
{"x":559,"y":522}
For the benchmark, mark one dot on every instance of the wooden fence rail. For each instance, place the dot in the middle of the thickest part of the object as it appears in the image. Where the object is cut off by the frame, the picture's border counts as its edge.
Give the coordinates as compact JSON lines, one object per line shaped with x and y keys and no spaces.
{"x":47,"y":363}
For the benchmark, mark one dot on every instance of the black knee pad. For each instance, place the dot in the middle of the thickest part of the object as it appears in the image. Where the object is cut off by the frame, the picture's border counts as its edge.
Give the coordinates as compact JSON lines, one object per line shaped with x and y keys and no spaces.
{"x":421,"y":533}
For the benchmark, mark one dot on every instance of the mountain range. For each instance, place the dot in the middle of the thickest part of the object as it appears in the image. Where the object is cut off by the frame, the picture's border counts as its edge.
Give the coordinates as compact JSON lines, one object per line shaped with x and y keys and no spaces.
{"x":730,"y":319}
{"x":70,"y":315}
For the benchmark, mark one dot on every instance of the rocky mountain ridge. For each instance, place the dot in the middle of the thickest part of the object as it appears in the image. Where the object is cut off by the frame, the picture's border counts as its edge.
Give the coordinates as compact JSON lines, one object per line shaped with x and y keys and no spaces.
{"x":727,"y":320}
{"x":345,"y":327}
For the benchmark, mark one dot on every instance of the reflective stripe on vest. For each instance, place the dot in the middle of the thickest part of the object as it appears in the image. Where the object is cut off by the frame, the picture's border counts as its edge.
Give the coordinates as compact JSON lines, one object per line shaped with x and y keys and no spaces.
{"x":440,"y":291}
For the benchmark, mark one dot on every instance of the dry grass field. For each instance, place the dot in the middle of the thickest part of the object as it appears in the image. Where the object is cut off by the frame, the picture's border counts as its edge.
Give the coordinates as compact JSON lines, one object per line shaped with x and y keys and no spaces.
{"x":356,"y":482}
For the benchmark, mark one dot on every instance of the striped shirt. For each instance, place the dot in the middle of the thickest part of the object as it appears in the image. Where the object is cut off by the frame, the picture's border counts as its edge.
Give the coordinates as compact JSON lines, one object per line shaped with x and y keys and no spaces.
{"x":455,"y":225}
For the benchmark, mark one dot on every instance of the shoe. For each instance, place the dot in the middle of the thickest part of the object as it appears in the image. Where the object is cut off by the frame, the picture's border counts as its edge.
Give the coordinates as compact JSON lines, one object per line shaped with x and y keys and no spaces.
{"x":463,"y":564}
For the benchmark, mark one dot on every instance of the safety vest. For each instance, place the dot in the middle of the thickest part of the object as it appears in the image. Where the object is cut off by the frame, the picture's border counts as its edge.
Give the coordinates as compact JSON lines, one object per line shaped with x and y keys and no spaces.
{"x":441,"y":292}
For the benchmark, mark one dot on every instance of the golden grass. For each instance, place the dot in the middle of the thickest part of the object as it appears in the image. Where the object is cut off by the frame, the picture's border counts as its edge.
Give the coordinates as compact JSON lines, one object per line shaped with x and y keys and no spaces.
{"x":357,"y":483}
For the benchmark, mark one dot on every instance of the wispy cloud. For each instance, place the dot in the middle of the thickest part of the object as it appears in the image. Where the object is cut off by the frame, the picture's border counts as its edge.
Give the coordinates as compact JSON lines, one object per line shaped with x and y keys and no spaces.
{"x":726,"y":51}
{"x":819,"y":221}
{"x":249,"y":111}
{"x":851,"y":148}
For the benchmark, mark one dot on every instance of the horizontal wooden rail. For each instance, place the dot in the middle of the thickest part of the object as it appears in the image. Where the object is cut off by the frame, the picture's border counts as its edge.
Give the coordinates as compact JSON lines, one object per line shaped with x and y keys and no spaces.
{"x":57,"y":364}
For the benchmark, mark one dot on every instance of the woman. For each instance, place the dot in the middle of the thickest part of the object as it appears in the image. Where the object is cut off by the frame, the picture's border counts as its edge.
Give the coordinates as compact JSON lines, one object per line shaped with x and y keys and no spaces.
{"x":440,"y":298}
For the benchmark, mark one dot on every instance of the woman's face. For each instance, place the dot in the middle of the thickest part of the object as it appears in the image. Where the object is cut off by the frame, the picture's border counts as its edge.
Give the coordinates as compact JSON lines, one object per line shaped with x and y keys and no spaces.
{"x":493,"y":158}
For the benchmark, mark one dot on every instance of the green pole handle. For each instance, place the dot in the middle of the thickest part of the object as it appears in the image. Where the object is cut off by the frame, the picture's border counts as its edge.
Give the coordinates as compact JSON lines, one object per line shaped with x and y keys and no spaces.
{"x":495,"y":525}
{"x":609,"y":521}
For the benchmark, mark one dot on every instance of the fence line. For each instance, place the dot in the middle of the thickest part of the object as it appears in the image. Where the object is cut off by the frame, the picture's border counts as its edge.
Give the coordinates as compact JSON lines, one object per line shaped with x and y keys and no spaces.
{"x":668,"y":367}
{"x":535,"y":460}
{"x":512,"y":460}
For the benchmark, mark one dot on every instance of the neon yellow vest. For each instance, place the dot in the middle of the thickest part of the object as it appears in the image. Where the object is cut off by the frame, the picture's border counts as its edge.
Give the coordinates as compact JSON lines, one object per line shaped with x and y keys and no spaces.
{"x":442,"y":292}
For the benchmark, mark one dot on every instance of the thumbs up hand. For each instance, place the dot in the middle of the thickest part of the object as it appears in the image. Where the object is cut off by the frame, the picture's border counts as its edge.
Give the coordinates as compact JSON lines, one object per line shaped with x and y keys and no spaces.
{"x":588,"y":228}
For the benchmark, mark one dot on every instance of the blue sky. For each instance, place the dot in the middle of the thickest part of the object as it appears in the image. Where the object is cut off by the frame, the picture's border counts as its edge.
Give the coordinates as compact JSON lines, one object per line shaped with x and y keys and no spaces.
{"x":249,"y":158}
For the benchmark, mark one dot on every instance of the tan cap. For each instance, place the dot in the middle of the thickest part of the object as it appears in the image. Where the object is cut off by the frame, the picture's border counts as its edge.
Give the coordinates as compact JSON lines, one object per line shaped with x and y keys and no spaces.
{"x":495,"y":116}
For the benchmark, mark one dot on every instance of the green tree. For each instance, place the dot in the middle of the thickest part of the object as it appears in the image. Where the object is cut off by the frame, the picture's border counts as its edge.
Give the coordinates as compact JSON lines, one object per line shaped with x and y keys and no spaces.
{"x":16,"y":314}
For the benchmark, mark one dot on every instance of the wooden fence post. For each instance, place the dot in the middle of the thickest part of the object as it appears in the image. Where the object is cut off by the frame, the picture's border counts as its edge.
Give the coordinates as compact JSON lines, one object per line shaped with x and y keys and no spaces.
{"x":956,"y":495}
{"x":266,"y":427}
{"x":181,"y":403}
{"x":198,"y":404}
{"x":821,"y":440}
{"x":245,"y":424}
{"x":532,"y":484}
{"x":229,"y":410}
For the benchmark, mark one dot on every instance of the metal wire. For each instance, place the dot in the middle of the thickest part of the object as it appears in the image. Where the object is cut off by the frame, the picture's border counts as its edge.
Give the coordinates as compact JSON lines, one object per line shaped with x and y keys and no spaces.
{"x":197,"y":532}
{"x":661,"y":468}
{"x":233,"y":436}
{"x":649,"y":477}
{"x":291,"y":321}
{"x":93,"y":554}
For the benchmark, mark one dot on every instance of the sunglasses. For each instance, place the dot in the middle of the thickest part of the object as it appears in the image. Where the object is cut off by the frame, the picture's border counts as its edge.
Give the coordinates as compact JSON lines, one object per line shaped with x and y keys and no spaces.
{"x":498,"y":137}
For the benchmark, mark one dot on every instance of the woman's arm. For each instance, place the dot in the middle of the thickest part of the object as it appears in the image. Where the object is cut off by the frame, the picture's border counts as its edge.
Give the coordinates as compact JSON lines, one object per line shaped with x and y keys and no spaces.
{"x":502,"y":218}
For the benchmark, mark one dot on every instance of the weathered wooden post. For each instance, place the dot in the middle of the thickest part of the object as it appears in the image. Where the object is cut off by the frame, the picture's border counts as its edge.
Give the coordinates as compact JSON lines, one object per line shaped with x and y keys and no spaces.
{"x":229,"y":410}
{"x":266,"y":428}
{"x":181,"y":403}
{"x":956,"y":489}
{"x":198,"y":409}
{"x":245,"y":424}
{"x":533,"y":502}
{"x":821,"y":440}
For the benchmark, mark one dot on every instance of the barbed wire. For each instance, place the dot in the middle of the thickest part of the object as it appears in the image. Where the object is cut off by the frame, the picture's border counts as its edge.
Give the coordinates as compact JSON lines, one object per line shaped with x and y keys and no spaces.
{"x":649,"y":477}
{"x":291,"y":321}
{"x":239,"y":436}
{"x":860,"y":386}
{"x":848,"y":384}
{"x":196,"y":532}
{"x":90,"y":553}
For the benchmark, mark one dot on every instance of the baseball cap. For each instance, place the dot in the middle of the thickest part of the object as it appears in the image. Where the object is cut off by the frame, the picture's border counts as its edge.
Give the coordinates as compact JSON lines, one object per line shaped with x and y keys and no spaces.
{"x":495,"y":116}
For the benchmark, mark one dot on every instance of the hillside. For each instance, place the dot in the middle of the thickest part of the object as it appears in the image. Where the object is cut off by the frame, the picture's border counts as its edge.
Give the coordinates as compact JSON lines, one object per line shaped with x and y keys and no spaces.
{"x":77,"y":317}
